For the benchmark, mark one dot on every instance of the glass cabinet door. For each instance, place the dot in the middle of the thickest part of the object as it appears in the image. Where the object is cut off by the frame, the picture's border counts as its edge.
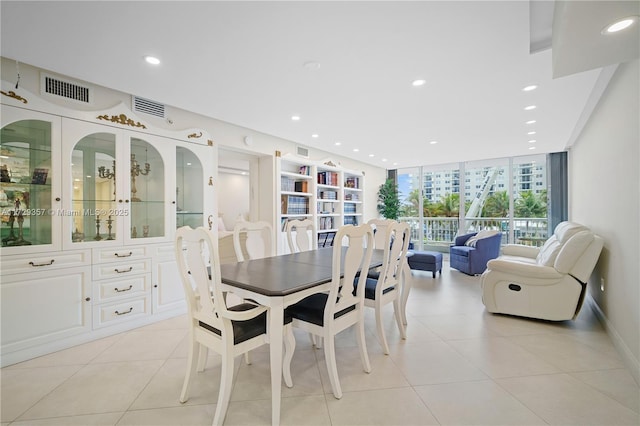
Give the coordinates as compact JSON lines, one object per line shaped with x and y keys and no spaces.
{"x":189,"y":181}
{"x":94,"y":172}
{"x":147,"y":189}
{"x":26,"y":183}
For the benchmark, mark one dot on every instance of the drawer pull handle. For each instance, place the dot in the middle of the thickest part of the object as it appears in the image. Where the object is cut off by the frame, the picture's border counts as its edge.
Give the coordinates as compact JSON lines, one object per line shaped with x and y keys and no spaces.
{"x":122,"y":272}
{"x":124,"y":255}
{"x":41,"y":264}
{"x":125,"y":312}
{"x":124,"y":289}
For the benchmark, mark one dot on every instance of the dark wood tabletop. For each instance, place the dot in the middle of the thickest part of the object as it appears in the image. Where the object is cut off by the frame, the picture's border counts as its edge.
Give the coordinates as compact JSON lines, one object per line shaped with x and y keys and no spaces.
{"x":286,"y":274}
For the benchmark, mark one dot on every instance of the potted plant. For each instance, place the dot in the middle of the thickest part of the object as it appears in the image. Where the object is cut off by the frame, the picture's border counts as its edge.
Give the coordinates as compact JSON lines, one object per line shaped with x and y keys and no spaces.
{"x":389,"y":200}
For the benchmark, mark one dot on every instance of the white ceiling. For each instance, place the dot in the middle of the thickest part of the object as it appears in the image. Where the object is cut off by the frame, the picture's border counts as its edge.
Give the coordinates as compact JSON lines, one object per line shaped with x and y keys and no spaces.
{"x":243,"y":62}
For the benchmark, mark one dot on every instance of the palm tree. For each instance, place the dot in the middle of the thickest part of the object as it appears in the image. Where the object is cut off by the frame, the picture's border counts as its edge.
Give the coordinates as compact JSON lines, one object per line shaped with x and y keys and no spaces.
{"x":497,"y":205}
{"x":531,"y":205}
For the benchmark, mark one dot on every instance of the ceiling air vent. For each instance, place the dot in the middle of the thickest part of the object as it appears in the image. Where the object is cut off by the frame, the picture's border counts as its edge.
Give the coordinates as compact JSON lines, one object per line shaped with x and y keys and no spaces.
{"x":303,"y":152}
{"x":66,"y":89}
{"x":148,"y":107}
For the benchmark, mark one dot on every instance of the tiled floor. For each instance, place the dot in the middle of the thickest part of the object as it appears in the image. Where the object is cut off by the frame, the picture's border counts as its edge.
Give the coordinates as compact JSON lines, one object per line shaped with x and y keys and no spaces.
{"x":459,"y":365}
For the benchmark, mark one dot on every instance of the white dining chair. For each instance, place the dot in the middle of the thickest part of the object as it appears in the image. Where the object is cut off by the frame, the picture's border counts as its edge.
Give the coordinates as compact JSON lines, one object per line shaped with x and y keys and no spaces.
{"x":327,"y":314}
{"x":258,"y":242}
{"x":230,"y":331}
{"x":301,"y":235}
{"x":388,"y":287}
{"x":379,"y":227}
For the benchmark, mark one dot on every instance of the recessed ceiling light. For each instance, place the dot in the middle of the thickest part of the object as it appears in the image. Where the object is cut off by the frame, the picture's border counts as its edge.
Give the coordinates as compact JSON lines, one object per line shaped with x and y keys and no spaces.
{"x":530,"y":122}
{"x":531,"y":133}
{"x":395,"y":164}
{"x":355,"y":150}
{"x":311,"y":65}
{"x":315,"y":135}
{"x":338,"y":143}
{"x":532,"y":141}
{"x":529,"y":108}
{"x":433,"y":142}
{"x":417,"y":83}
{"x":530,"y":88}
{"x":384,"y":160}
{"x":371,"y":155}
{"x":619,"y":25}
{"x":532,"y":147}
{"x":152,"y":60}
{"x":295,"y":117}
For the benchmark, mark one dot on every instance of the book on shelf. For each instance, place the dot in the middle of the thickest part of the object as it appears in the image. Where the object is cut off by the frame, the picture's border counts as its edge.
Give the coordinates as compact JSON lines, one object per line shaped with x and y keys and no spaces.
{"x":352,"y":182}
{"x":292,"y":204}
{"x":328,"y":178}
{"x":305,"y":170}
{"x":301,"y":186}
{"x":328,"y":195}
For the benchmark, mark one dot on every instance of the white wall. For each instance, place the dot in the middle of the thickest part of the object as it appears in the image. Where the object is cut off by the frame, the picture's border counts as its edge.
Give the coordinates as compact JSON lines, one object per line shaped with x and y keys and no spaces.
{"x":604,"y":188}
{"x":233,"y":198}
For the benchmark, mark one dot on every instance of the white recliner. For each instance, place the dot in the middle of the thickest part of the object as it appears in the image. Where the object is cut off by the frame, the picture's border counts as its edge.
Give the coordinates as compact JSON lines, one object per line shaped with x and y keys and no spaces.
{"x":548,"y":282}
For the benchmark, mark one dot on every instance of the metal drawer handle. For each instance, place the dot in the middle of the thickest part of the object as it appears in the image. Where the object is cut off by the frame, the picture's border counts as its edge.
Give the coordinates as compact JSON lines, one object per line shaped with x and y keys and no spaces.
{"x":124,"y":289}
{"x":41,"y":264}
{"x":122,"y":272}
{"x":125,"y":312}
{"x":124,"y":255}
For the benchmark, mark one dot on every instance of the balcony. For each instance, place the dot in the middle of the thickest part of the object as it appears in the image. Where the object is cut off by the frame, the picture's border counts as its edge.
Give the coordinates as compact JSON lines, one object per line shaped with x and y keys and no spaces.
{"x":439,"y":232}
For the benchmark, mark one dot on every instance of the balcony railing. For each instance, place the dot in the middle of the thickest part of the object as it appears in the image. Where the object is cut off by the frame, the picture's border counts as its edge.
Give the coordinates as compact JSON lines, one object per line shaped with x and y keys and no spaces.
{"x":441,"y":231}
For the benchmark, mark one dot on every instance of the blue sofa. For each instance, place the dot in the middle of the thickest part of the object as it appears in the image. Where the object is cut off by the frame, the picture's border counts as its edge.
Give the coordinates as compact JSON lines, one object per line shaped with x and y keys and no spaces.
{"x":471,"y":252}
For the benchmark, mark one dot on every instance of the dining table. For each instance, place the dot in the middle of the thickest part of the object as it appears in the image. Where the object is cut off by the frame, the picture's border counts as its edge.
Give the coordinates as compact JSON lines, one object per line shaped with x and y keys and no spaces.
{"x":278,"y":282}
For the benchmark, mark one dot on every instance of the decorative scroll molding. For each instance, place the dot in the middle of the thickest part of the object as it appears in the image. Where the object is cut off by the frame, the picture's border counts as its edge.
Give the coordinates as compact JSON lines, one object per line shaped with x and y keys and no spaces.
{"x":13,"y":95}
{"x":278,"y":154}
{"x":209,"y":142}
{"x":330,"y":163}
{"x":121,"y":119}
{"x":210,"y":180}
{"x":195,"y":135}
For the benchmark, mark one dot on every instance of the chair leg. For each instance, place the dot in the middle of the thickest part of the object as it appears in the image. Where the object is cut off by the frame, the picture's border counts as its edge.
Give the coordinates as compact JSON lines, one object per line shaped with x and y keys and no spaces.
{"x":312,"y":337}
{"x":289,"y":349}
{"x":362,"y":344}
{"x":226,"y":382}
{"x":247,"y":358}
{"x":407,"y":281}
{"x":397,"y":310}
{"x":203,"y":354}
{"x":380,"y":328}
{"x":192,"y":363}
{"x":332,"y":368}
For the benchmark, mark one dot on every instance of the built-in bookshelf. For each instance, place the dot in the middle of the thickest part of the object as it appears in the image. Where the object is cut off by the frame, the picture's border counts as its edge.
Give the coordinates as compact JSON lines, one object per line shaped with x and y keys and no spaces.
{"x":325,"y":193}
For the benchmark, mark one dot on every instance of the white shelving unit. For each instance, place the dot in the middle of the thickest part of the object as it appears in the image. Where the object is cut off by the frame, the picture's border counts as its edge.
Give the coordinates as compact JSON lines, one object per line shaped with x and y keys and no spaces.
{"x":329,"y":195}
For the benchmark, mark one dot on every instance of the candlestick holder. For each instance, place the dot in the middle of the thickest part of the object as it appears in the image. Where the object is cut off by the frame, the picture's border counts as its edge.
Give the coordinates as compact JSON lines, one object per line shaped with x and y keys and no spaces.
{"x":98,"y":237}
{"x":110,"y":226}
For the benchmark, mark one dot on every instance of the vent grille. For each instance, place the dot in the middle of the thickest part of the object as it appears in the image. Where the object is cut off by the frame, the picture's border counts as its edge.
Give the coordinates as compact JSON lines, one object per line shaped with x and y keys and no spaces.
{"x":66,"y":89}
{"x":148,"y":107}
{"x":303,"y":152}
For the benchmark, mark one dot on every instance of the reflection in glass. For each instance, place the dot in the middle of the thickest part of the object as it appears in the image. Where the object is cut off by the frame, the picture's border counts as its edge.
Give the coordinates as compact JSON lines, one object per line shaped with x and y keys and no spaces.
{"x":189,"y":181}
{"x":146,"y":171}
{"x":25,"y":183}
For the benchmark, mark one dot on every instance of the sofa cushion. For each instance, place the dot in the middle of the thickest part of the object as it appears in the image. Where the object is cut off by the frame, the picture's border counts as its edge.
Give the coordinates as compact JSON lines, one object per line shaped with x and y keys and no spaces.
{"x":548,"y":252}
{"x":461,"y":250}
{"x":565,"y":230}
{"x":572,"y":251}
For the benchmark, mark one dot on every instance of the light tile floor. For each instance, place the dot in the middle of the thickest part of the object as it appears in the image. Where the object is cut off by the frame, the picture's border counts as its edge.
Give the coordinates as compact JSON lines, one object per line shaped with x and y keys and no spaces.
{"x":458,"y":366}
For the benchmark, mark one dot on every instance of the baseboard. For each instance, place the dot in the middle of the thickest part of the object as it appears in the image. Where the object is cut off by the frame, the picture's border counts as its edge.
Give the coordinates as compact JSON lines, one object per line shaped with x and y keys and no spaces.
{"x":632,"y":364}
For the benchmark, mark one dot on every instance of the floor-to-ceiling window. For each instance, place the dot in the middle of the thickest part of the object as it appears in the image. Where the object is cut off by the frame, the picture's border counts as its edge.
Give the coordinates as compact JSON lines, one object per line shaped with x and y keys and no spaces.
{"x":507,"y":194}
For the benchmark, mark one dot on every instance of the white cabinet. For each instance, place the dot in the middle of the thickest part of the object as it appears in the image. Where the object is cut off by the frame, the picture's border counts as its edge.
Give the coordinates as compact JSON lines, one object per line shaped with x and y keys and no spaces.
{"x":90,"y":203}
{"x":44,"y":306}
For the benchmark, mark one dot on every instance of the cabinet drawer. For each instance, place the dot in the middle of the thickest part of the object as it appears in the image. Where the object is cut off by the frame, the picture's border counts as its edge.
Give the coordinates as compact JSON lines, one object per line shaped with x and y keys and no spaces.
{"x":111,"y":290}
{"x":43,"y":261}
{"x":104,"y":255}
{"x":113,"y":313}
{"x":121,"y":269}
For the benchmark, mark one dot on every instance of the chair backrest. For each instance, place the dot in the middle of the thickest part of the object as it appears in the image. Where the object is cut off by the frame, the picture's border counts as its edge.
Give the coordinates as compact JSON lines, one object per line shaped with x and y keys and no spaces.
{"x":579,"y":255}
{"x":551,"y":248}
{"x":379,"y":227}
{"x":197,"y":255}
{"x":259,"y":242}
{"x":301,"y":235}
{"x":348,"y":261}
{"x":395,"y":250}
